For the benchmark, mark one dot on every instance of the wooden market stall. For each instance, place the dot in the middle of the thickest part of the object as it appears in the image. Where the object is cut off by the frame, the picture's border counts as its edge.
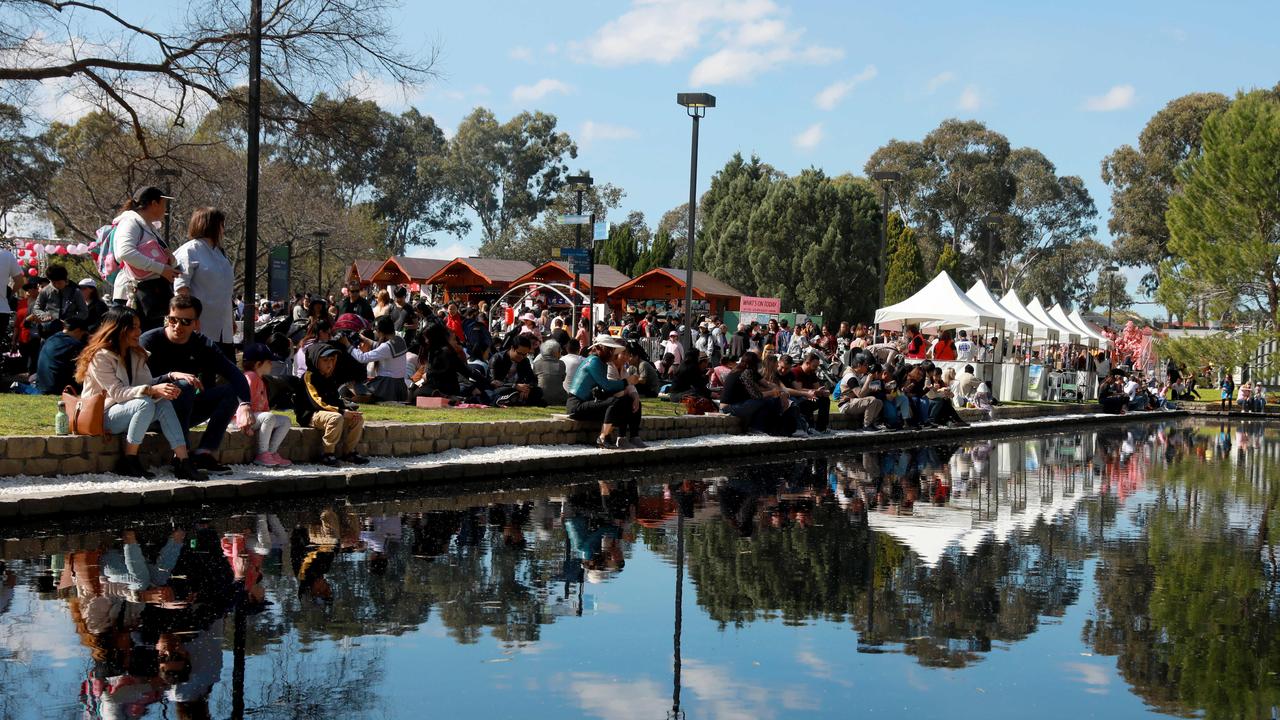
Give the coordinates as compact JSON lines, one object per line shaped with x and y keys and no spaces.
{"x":668,"y":284}
{"x":403,"y":270}
{"x":559,"y":271}
{"x":362,"y":271}
{"x":477,"y":278}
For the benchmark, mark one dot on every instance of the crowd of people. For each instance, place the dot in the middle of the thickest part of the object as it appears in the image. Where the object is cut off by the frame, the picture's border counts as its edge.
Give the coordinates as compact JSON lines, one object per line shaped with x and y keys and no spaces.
{"x":165,"y":353}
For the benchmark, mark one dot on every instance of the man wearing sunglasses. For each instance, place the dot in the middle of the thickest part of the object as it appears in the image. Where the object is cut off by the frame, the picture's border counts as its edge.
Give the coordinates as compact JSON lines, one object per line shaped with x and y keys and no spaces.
{"x":180,"y":354}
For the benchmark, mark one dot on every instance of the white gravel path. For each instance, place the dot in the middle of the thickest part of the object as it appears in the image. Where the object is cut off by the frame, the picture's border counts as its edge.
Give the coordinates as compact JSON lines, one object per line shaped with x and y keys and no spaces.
{"x":25,"y":486}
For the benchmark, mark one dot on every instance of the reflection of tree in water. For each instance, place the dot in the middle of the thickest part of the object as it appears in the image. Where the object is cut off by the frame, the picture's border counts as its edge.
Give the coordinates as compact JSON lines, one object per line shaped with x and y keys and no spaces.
{"x":1190,"y":608}
{"x":945,"y":615}
{"x":334,"y":683}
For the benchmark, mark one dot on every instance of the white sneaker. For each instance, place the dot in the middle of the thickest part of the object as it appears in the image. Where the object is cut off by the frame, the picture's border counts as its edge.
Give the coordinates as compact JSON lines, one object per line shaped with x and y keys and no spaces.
{"x":800,"y":434}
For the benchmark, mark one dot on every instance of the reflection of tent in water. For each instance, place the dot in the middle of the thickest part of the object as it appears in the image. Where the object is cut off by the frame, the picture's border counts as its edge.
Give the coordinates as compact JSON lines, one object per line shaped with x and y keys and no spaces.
{"x":930,"y":531}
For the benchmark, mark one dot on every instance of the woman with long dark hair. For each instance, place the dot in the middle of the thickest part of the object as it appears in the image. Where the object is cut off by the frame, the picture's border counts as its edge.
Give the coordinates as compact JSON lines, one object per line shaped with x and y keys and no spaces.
{"x":115,"y":365}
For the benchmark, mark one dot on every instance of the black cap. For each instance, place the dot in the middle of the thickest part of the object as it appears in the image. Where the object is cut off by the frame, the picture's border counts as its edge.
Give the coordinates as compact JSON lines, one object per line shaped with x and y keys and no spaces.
{"x":75,"y":323}
{"x":146,"y":195}
{"x":329,"y":350}
{"x":257,"y":352}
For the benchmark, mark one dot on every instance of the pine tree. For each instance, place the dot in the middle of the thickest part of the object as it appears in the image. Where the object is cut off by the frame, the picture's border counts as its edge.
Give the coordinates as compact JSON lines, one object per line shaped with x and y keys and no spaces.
{"x":906,"y":268}
{"x":949,"y":262}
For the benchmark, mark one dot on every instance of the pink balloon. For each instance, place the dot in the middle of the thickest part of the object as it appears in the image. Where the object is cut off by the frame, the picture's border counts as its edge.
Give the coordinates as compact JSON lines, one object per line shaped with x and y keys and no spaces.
{"x":32,"y":272}
{"x":31,"y":246}
{"x":61,"y":250}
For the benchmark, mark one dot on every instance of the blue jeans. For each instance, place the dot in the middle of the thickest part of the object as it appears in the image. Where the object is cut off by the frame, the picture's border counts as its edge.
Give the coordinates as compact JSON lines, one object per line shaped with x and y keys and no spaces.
{"x":128,"y":566}
{"x":132,"y":419}
{"x":216,"y":404}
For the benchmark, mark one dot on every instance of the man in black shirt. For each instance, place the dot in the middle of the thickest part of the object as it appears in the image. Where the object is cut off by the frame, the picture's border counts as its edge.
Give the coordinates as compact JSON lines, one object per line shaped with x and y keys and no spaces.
{"x":809,"y":393}
{"x":514,"y":381}
{"x":180,"y":355}
{"x":355,"y":303}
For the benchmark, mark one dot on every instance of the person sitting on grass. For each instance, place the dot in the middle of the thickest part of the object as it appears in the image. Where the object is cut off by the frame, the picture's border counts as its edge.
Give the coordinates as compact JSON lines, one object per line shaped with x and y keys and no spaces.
{"x":691,"y":378}
{"x":809,"y":393}
{"x":858,"y":397}
{"x":550,"y":371}
{"x":115,"y":365}
{"x":514,"y":382}
{"x":318,"y":405}
{"x":637,"y":362}
{"x":389,"y":356}
{"x":271,"y":429}
{"x":1111,"y":395}
{"x":593,"y":397}
{"x":942,"y":408}
{"x":56,"y":367}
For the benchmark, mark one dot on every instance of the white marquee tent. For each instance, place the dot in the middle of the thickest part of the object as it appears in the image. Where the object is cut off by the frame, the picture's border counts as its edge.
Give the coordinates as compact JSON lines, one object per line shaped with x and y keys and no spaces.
{"x":1088,"y":329}
{"x":1040,"y":331}
{"x":941,"y":304}
{"x":1038,"y":312}
{"x":1058,"y":315}
{"x":982,"y":297}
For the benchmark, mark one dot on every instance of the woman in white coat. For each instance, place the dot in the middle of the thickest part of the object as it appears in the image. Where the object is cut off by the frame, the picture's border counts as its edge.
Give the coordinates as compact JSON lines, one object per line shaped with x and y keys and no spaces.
{"x":206,"y":274}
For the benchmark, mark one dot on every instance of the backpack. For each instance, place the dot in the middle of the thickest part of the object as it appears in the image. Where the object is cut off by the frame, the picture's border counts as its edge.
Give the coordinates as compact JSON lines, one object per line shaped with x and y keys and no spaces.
{"x":108,"y":267}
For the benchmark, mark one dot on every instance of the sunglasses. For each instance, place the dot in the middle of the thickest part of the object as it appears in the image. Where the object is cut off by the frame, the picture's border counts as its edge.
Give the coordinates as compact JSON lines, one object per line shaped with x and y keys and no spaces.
{"x":175,"y":320}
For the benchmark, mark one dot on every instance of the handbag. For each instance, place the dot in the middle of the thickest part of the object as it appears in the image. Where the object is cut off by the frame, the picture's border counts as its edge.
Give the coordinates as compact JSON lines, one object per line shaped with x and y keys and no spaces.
{"x":84,"y":414}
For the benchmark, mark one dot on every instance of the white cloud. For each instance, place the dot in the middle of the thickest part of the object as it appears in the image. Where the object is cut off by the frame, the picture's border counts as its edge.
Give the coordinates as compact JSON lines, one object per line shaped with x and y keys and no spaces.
{"x":734,"y":65}
{"x":662,"y":31}
{"x":969,"y":98}
{"x":809,"y":138}
{"x":938,"y":81}
{"x":593,"y":131}
{"x":453,"y":250}
{"x":387,"y":93}
{"x":751,"y":37}
{"x":1117,"y":98}
{"x":831,"y":95}
{"x":539,"y":90}
{"x":520,"y":53}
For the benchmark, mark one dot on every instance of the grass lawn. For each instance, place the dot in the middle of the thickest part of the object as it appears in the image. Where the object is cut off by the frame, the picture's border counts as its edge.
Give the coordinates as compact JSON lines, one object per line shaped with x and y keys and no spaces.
{"x":33,"y":414}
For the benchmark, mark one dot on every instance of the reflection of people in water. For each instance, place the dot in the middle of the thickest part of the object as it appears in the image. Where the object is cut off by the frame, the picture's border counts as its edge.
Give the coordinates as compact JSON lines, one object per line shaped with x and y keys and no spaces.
{"x":8,"y":581}
{"x":598,"y":522}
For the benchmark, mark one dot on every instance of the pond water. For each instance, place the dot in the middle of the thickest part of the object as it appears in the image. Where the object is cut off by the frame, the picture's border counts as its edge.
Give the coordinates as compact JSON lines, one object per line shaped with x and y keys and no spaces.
{"x":1121,"y":572}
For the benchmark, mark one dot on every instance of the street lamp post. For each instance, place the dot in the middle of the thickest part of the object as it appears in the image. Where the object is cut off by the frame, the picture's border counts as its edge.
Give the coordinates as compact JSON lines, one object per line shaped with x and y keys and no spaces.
{"x":992,"y":225}
{"x":579,"y":183}
{"x":320,"y":235}
{"x":1111,"y":291}
{"x":168,"y":174}
{"x":695,"y":104}
{"x":885,"y":178}
{"x":251,"y":175}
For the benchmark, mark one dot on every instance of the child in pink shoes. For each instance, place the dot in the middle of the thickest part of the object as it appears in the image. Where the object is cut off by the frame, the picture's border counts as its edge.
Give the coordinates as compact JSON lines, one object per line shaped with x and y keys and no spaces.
{"x":271,"y":428}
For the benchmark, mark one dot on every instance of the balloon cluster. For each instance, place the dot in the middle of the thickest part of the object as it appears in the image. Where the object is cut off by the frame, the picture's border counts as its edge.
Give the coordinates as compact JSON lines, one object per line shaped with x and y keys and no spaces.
{"x":29,"y":253}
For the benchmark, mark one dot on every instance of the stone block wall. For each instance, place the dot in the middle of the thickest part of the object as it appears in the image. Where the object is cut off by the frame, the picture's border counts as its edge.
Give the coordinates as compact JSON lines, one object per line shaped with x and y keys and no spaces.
{"x":71,"y":455}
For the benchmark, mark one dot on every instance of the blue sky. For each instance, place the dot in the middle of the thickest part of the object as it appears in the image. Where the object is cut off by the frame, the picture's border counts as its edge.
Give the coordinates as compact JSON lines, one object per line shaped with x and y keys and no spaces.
{"x":826,"y":83}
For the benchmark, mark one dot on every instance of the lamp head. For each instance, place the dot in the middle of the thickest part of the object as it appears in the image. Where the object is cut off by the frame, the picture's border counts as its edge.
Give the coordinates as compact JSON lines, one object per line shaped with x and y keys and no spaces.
{"x":886,"y":176}
{"x":1112,"y":268}
{"x":579,"y":180}
{"x":696,"y":104}
{"x":319,"y":233}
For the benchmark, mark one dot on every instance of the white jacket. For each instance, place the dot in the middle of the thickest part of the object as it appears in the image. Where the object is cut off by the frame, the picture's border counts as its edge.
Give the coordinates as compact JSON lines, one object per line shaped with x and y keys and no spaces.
{"x":130,"y":230}
{"x":107,"y":374}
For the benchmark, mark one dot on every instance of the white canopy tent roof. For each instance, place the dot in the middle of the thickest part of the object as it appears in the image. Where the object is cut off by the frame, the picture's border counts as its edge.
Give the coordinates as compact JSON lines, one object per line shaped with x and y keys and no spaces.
{"x":941,"y":303}
{"x":1058,"y":315}
{"x":983,"y":298}
{"x":1078,"y":320}
{"x":1040,"y":331}
{"x":1038,"y":312}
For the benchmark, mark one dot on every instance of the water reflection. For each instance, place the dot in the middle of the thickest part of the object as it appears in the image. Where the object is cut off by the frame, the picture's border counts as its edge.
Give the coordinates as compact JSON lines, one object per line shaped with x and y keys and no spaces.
{"x":1151,"y":544}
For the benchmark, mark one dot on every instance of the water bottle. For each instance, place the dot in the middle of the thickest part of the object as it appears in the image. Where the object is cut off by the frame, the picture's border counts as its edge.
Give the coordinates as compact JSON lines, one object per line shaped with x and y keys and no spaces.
{"x":61,"y":423}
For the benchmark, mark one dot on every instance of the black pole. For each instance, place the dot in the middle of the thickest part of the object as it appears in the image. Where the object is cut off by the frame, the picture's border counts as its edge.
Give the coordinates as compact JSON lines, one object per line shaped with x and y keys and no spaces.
{"x":577,"y":238}
{"x":688,"y":270}
{"x":675,"y":678}
{"x":591,"y":295}
{"x":237,"y":665}
{"x":251,"y":179}
{"x":884,"y":237}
